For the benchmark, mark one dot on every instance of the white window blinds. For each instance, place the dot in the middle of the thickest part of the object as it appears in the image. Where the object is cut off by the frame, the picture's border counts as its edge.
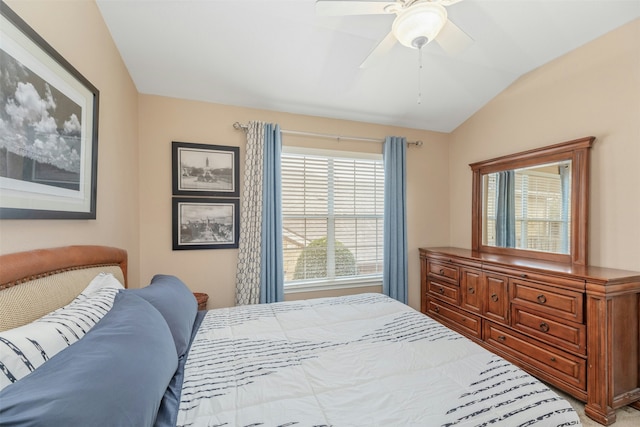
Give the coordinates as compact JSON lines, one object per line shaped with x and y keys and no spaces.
{"x":332,"y":216}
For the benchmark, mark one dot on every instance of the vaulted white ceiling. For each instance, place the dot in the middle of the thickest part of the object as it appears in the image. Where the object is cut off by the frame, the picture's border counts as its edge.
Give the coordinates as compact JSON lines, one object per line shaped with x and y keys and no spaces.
{"x":280,"y":55}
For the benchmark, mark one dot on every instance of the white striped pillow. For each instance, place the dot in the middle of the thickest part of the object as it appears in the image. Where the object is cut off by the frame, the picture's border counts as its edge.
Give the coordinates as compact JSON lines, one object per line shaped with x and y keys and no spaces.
{"x":24,"y":349}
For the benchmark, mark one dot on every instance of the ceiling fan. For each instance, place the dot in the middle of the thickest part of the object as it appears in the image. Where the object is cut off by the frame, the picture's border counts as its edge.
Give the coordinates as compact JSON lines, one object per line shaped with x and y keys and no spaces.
{"x":417,"y":23}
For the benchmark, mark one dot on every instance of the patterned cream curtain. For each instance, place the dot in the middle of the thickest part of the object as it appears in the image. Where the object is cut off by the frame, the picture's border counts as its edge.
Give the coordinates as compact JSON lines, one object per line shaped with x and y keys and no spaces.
{"x":249,"y":245}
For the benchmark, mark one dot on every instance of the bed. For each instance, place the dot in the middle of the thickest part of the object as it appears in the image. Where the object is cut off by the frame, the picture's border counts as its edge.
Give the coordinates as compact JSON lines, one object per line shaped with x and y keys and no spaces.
{"x":137,"y":357}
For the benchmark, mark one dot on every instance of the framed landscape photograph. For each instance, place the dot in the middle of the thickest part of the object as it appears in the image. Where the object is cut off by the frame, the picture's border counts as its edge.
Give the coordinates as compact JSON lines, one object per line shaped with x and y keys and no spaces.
{"x":200,"y":223}
{"x":205,"y":170}
{"x":49,"y":132}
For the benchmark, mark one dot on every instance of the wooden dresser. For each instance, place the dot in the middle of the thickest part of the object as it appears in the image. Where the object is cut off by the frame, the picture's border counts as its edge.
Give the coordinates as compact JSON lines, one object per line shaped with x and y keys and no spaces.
{"x":575,"y":327}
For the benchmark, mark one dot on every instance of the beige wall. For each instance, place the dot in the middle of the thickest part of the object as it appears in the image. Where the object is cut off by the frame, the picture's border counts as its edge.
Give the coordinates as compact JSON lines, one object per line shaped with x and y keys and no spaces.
{"x":594,"y":90}
{"x":76,"y":30}
{"x":163,"y":120}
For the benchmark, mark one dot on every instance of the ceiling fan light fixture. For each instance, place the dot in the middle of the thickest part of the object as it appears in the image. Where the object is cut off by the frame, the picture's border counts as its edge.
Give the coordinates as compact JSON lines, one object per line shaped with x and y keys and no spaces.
{"x":418,"y":22}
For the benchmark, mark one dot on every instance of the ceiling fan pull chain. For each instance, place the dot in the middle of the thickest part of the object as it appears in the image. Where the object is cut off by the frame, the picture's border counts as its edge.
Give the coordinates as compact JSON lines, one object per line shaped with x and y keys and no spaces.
{"x":419,"y":75}
{"x":419,"y":43}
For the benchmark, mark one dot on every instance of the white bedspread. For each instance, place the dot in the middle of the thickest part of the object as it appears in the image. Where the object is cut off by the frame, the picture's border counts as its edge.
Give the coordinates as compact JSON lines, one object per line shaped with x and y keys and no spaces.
{"x":364,"y":360}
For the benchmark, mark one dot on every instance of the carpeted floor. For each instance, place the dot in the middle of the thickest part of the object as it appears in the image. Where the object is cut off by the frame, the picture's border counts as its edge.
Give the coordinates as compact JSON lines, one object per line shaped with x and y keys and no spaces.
{"x":625,"y":417}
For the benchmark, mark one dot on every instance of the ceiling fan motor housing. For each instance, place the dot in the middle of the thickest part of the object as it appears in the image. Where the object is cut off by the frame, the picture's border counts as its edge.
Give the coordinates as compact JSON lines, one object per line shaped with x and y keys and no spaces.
{"x":419,"y":24}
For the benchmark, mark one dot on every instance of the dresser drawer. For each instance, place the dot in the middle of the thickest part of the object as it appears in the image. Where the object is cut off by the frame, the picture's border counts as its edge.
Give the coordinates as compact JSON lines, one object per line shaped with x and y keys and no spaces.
{"x":562,"y":303}
{"x":443,"y":271}
{"x":568,"y":335}
{"x":555,"y":364}
{"x":496,"y":298}
{"x":444,"y":291}
{"x":461,"y":321}
{"x":471,"y":290}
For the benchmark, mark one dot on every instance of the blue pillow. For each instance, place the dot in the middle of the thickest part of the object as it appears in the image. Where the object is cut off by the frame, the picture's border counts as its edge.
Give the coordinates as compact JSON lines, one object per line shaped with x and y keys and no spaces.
{"x":168,"y":412}
{"x":177,"y":305}
{"x":115,"y":375}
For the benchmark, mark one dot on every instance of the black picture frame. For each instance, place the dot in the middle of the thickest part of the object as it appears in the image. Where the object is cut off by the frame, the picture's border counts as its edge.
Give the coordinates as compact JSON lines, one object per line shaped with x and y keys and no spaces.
{"x":205,"y":170}
{"x":203,"y":223}
{"x":49,"y":161}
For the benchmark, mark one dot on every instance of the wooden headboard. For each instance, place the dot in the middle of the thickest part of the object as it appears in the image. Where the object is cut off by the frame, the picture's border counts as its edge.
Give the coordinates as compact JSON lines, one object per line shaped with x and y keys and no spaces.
{"x":34,"y":283}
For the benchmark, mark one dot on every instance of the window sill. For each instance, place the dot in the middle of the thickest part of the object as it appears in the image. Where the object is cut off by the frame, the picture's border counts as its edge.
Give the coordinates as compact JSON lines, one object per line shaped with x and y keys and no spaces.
{"x":323,"y":285}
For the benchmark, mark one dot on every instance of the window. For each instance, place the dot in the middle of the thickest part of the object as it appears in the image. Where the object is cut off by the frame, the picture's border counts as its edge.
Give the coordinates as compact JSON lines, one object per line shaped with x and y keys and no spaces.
{"x":332,"y":216}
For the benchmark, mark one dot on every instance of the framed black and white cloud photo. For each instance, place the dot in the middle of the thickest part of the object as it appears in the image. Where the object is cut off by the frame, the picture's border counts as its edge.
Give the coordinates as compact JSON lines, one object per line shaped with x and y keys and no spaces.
{"x":48,"y":129}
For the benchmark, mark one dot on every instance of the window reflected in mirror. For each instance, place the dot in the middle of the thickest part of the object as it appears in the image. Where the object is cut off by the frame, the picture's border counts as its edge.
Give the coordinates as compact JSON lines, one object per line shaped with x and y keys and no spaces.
{"x":528,"y":208}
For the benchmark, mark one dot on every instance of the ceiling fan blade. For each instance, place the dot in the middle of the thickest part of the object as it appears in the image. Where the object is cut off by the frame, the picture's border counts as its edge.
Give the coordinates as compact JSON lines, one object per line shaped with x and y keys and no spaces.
{"x":452,"y":39}
{"x":352,"y":7}
{"x":446,"y":3}
{"x":379,"y":51}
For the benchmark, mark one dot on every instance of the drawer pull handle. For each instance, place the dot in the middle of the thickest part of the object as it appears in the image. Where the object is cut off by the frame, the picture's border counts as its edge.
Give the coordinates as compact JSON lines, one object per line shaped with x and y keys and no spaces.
{"x":542,"y":299}
{"x":524,"y":276}
{"x":553,"y":359}
{"x":441,"y":290}
{"x":494,"y":297}
{"x":442,"y":271}
{"x":502,"y":338}
{"x":472,"y":291}
{"x":436,"y":309}
{"x":544,"y":327}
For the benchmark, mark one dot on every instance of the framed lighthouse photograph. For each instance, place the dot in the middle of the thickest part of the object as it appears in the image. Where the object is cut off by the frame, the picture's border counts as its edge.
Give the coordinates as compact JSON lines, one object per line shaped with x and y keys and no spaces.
{"x":205,"y":170}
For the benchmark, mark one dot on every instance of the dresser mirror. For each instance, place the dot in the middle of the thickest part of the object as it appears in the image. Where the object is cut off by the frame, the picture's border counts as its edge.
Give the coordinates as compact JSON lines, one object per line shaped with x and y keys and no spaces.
{"x":534,"y":203}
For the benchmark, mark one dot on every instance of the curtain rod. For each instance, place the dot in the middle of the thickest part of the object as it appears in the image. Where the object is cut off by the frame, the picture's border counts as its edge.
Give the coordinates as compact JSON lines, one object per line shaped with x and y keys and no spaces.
{"x":240,"y":126}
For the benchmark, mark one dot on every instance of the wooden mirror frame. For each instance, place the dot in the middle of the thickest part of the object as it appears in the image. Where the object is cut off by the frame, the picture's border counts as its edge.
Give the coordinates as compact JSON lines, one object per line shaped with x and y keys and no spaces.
{"x":578,"y":152}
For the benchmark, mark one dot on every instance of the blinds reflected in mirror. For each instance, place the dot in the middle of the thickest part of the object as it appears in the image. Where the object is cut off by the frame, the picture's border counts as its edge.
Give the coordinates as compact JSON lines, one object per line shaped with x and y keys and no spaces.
{"x":542,"y":207}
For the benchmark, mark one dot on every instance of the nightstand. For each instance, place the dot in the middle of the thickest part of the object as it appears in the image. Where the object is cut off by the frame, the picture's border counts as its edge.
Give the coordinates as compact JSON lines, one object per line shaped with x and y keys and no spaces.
{"x":202,"y":300}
